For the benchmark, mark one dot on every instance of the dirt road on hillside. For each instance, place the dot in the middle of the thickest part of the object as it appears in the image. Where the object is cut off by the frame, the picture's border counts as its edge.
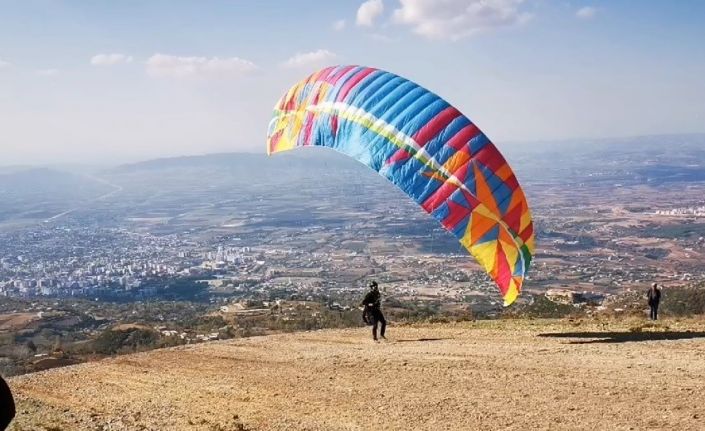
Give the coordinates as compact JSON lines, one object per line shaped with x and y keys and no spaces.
{"x":508,"y":375}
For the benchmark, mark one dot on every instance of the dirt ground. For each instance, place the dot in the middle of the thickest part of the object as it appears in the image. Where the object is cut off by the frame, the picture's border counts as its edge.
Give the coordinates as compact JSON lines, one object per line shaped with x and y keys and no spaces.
{"x":16,"y":321}
{"x":508,"y":375}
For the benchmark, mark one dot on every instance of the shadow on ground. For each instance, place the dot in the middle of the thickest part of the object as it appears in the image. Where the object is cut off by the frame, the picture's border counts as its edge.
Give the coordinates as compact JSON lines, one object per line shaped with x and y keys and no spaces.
{"x":624,"y":336}
{"x":418,"y":340}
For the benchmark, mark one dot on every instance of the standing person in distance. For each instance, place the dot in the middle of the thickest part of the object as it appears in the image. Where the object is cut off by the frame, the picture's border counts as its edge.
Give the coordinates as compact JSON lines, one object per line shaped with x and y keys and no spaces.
{"x":654,"y":296}
{"x":373,"y":309}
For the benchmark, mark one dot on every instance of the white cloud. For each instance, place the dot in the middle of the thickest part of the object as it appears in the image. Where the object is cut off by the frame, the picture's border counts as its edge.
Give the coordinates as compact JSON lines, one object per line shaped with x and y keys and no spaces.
{"x":309,"y":59}
{"x":339,"y":25}
{"x":4,"y":64}
{"x":456,"y":19}
{"x":368,"y":12}
{"x":586,"y":12}
{"x":110,"y":59}
{"x":162,"y":65}
{"x":47,"y":72}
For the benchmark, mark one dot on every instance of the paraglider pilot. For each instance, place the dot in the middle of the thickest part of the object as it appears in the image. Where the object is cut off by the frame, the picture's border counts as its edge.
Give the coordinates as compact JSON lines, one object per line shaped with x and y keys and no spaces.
{"x":654,"y":296}
{"x":373,"y":310}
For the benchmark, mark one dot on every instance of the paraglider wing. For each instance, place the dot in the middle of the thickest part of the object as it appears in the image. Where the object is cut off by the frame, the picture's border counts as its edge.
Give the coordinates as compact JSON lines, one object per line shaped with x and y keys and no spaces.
{"x":427,"y":148}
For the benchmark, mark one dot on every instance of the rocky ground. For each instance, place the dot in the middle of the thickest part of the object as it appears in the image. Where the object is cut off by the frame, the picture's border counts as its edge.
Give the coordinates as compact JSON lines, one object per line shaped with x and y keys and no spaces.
{"x":509,"y":375}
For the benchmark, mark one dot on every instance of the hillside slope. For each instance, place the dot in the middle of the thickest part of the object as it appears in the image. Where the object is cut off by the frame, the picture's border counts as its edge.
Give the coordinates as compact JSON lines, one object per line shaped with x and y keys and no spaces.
{"x":519,"y":375}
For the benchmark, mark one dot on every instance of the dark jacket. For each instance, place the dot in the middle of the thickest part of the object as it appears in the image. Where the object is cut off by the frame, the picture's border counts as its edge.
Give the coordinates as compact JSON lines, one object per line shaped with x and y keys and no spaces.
{"x":654,"y":296}
{"x":7,"y":405}
{"x":373,"y":297}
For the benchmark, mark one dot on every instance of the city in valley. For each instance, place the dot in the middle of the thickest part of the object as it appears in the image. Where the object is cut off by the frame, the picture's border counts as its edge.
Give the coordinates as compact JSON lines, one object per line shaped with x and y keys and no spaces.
{"x":189,"y":249}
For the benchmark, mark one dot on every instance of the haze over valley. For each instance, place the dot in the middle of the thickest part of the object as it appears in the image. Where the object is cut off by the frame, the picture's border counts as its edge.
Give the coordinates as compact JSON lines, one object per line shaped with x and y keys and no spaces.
{"x":611,"y":216}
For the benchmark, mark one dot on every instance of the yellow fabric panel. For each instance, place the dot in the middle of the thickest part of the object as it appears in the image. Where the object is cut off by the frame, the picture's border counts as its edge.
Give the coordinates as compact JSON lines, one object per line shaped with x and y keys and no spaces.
{"x":486,"y":254}
{"x":512,"y":294}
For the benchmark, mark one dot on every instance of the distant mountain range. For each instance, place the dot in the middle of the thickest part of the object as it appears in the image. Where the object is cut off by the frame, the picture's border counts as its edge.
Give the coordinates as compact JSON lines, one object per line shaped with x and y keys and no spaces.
{"x":37,"y":192}
{"x":636,"y":160}
{"x":644,"y":147}
{"x":294,"y":159}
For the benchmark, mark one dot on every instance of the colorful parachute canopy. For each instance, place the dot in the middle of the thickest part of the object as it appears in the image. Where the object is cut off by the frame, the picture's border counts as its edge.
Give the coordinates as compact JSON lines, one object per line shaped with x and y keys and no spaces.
{"x":426,"y":147}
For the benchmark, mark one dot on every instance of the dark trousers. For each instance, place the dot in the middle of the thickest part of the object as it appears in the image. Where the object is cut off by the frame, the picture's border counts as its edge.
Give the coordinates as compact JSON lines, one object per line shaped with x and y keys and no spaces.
{"x":653,"y":315}
{"x":377,"y":318}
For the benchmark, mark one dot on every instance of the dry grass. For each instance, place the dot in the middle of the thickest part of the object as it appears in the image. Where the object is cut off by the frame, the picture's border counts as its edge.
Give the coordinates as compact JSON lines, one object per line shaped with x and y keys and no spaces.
{"x":516,"y":375}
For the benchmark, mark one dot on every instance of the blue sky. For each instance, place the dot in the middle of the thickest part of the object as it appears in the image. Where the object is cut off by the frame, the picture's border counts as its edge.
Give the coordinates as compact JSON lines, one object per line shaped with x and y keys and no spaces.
{"x":114,"y":81}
